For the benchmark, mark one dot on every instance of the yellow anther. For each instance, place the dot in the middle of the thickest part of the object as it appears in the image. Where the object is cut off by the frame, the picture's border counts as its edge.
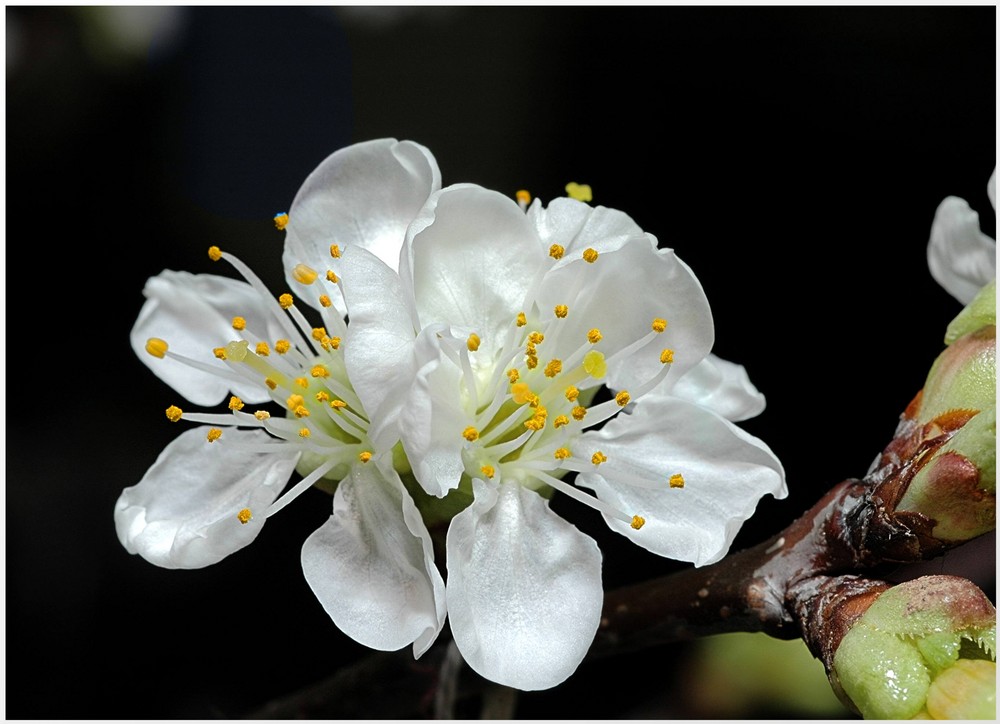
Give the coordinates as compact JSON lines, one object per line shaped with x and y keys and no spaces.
{"x":533,"y":401}
{"x":322,"y":396}
{"x":286,"y":300}
{"x":324,"y":300}
{"x":590,"y":255}
{"x":319,"y":371}
{"x":364,"y":456}
{"x":598,"y":457}
{"x":262,"y":349}
{"x":521,"y":392}
{"x":174,"y":413}
{"x":560,"y":421}
{"x":334,"y":342}
{"x":282,"y":346}
{"x":335,"y":251}
{"x":556,"y":251}
{"x":594,"y":364}
{"x":553,"y":368}
{"x":623,"y":398}
{"x":523,"y":197}
{"x":580,"y":192}
{"x":214,"y":253}
{"x":294,"y":401}
{"x":536,"y":338}
{"x":219,"y":352}
{"x":531,"y":362}
{"x":156,"y":347}
{"x":304,"y":274}
{"x":473,"y":342}
{"x":302,"y":382}
{"x":301,"y":411}
{"x":530,"y":349}
{"x":638,"y":521}
{"x":561,"y":310}
{"x":513,"y":375}
{"x":572,"y":393}
{"x":331,"y":277}
{"x":214,"y":434}
{"x":536,"y":423}
{"x":594,"y":336}
{"x":244,"y":516}
{"x":281,"y":220}
{"x":239,"y":324}
{"x":318,"y":333}
{"x":488,"y":471}
{"x":676,"y":480}
{"x":561,"y":453}
{"x":338,"y":404}
{"x":470,"y":433}
{"x":659,"y":325}
{"x":304,"y":432}
{"x":521,"y":319}
{"x":667,"y":356}
{"x":578,"y":412}
{"x":262,"y":415}
{"x":235,"y":403}
{"x":270,"y":383}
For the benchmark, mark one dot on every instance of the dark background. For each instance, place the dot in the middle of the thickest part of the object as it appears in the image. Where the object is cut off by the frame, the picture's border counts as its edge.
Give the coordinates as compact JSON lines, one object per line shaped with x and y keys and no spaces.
{"x":793,"y":157}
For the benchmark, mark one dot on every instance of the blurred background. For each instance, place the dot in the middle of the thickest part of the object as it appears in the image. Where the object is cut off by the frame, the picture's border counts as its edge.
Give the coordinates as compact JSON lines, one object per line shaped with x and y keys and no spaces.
{"x":794,"y":158}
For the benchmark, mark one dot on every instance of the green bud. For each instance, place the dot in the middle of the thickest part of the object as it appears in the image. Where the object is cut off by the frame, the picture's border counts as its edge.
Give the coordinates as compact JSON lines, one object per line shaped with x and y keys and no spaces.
{"x":963,"y":377}
{"x":980,"y":312}
{"x":910,"y":652}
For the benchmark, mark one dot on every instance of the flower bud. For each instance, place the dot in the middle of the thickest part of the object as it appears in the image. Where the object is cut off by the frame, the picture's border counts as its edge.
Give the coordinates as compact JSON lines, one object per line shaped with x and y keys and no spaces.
{"x":925,"y":648}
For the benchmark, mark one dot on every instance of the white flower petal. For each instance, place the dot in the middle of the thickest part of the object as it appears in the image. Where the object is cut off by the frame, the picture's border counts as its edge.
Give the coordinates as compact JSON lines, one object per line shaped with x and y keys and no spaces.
{"x":365,"y":194}
{"x":371,"y":565}
{"x":469,"y":260}
{"x":380,"y":339}
{"x":991,"y":189}
{"x":182,"y":514}
{"x":193,"y":313}
{"x":577,"y":226}
{"x":621,"y":294}
{"x":524,"y":588}
{"x":722,"y":386}
{"x":961,"y":258}
{"x":726,"y":472}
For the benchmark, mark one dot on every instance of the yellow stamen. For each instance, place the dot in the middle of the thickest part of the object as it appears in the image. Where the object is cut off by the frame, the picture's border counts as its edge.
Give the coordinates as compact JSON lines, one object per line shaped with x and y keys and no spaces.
{"x":598,"y":457}
{"x":219,"y":352}
{"x":553,"y":368}
{"x":667,"y":356}
{"x":282,"y":346}
{"x":335,"y":251}
{"x":262,"y":415}
{"x":322,"y":396}
{"x":561,"y":310}
{"x":214,"y":434}
{"x":286,"y":300}
{"x":561,"y":453}
{"x":294,"y":401}
{"x":659,"y":325}
{"x":174,"y":413}
{"x":523,"y":197}
{"x":594,"y":364}
{"x":239,"y":324}
{"x":301,"y":411}
{"x":331,"y":277}
{"x":560,"y":421}
{"x":214,"y":253}
{"x":556,"y":251}
{"x":302,"y":382}
{"x":319,"y":371}
{"x":270,"y":383}
{"x":521,"y":392}
{"x":536,"y":423}
{"x":281,"y":221}
{"x":638,"y":521}
{"x":572,"y":393}
{"x":244,"y":516}
{"x":521,"y":319}
{"x":513,"y":375}
{"x":364,"y":456}
{"x":304,"y":432}
{"x":324,"y":300}
{"x":338,"y":404}
{"x":590,"y":255}
{"x":488,"y":471}
{"x":530,"y":349}
{"x":531,"y":362}
{"x":262,"y":349}
{"x":473,"y":342}
{"x":594,"y":336}
{"x":304,"y":274}
{"x":470,"y":433}
{"x":623,"y":398}
{"x":676,"y":480}
{"x":536,"y":338}
{"x":235,"y":403}
{"x":334,"y":342}
{"x":578,"y":413}
{"x":318,"y":333}
{"x":157,"y":347}
{"x":580,"y":192}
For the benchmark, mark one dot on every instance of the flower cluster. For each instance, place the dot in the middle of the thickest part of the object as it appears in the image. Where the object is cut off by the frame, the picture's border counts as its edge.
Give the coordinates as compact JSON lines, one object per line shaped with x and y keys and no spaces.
{"x":470,"y":347}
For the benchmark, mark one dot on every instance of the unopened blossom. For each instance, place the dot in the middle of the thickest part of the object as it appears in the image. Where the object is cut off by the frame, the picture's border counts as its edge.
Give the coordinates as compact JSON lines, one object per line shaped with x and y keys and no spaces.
{"x":961,"y":257}
{"x":215,"y":339}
